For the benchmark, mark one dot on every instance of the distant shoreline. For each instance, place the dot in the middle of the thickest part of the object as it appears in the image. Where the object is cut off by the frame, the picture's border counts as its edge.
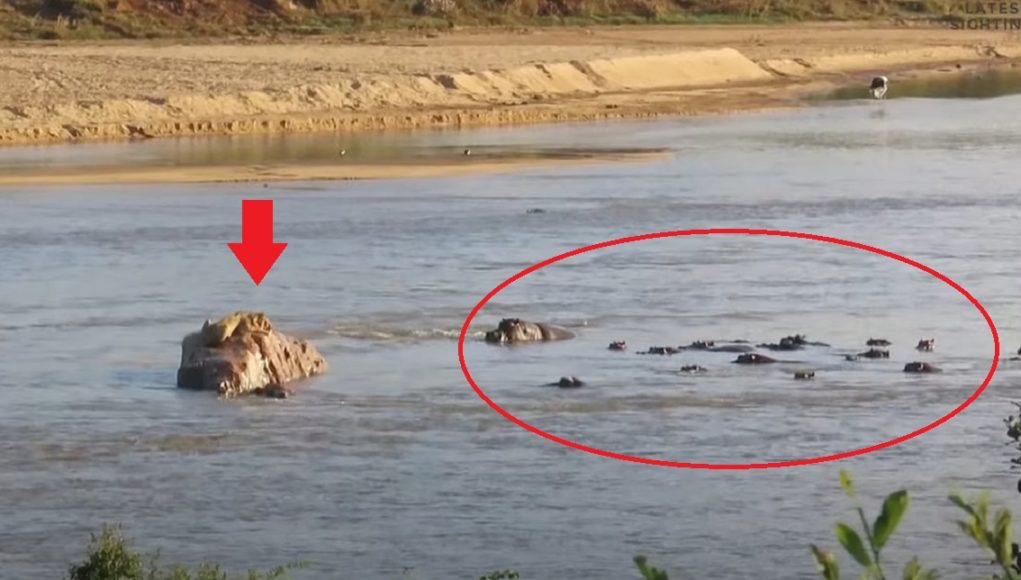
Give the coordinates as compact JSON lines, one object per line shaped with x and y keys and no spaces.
{"x":718,"y":101}
{"x":89,"y":91}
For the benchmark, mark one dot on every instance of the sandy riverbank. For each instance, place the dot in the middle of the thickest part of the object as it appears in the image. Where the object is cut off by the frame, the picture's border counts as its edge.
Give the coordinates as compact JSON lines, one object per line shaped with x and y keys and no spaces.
{"x":116,"y":90}
{"x":81,"y":91}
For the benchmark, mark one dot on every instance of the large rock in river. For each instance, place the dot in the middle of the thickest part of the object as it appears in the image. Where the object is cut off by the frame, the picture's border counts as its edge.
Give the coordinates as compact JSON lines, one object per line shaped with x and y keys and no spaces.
{"x":243,"y":354}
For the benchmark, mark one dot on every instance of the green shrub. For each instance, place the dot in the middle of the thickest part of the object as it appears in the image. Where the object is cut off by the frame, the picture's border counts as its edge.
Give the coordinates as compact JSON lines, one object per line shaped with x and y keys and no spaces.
{"x":111,"y":558}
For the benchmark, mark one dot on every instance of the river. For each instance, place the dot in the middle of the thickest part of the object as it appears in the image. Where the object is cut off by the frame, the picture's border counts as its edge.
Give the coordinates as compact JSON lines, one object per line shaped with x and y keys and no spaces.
{"x":390,"y":466}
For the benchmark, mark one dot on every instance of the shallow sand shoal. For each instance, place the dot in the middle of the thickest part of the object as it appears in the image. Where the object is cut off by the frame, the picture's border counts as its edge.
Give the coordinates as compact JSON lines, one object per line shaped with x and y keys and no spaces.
{"x":294,"y":172}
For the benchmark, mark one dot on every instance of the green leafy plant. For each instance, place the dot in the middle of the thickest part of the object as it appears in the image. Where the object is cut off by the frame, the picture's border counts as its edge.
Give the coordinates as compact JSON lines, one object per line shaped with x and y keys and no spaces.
{"x":1014,"y":429}
{"x":649,"y":572}
{"x":867,"y":552}
{"x":993,"y":535}
{"x":1014,"y":433}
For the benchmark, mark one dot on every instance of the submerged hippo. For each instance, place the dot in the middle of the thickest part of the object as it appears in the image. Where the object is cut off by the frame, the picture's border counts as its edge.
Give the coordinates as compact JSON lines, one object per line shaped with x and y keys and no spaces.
{"x":693,"y":369}
{"x":701,"y":345}
{"x":920,"y":367}
{"x":568,"y":383}
{"x":661,"y":350}
{"x":618,"y":345}
{"x":874,"y":353}
{"x":795,"y":342}
{"x":926,"y":344}
{"x":804,"y":374}
{"x":732,"y":348}
{"x":754,"y":359}
{"x":511,"y":330}
{"x":710,"y":345}
{"x":877,"y":342}
{"x":272,"y":392}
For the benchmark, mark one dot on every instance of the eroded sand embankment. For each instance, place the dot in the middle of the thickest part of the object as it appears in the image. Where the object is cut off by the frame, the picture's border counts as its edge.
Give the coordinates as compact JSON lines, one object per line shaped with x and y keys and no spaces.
{"x":377,"y":101}
{"x":188,"y":90}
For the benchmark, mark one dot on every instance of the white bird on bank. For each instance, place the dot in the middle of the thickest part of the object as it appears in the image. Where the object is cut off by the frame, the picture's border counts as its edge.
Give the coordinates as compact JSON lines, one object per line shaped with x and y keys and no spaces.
{"x":878,"y":87}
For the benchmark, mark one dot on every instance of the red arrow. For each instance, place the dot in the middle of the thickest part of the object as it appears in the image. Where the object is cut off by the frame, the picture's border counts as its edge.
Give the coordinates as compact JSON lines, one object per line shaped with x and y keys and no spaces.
{"x":257,"y":251}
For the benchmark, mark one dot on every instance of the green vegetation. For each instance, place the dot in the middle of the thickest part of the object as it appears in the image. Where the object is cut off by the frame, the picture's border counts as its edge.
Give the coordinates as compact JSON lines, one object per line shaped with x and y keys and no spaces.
{"x":867,"y":553}
{"x":993,"y":535}
{"x":59,"y":19}
{"x":111,"y":558}
{"x":501,"y":575}
{"x":648,"y":572}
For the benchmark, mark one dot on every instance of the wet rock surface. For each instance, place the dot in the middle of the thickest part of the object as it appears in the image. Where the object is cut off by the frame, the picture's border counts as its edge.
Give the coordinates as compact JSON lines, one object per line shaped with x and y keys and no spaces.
{"x":242,"y":354}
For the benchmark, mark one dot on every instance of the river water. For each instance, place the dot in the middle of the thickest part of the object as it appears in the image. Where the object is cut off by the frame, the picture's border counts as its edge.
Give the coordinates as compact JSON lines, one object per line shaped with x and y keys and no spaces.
{"x":390,"y":466}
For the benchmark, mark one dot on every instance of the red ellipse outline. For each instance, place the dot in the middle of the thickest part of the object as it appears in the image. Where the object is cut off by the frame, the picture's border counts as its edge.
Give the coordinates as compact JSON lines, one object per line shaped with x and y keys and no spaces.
{"x":729,"y":466}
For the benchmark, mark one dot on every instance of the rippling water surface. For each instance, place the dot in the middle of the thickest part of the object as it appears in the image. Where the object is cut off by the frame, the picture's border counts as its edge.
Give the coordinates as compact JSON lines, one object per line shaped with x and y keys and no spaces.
{"x":391,"y":461}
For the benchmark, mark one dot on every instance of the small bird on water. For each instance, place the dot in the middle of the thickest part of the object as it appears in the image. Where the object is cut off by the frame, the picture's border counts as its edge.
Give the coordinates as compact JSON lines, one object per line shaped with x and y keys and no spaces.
{"x":467,"y":151}
{"x":878,"y":87}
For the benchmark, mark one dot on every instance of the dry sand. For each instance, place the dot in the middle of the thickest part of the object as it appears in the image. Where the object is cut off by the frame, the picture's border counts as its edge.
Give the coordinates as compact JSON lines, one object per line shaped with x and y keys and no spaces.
{"x":82,"y":91}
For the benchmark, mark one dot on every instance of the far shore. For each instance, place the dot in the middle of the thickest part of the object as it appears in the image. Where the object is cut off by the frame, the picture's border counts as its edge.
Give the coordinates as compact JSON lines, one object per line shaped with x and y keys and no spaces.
{"x":92,"y":91}
{"x":80,"y":91}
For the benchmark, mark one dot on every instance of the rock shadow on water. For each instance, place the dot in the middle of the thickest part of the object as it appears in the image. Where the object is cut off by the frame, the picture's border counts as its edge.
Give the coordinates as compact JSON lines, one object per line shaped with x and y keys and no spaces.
{"x":110,"y":448}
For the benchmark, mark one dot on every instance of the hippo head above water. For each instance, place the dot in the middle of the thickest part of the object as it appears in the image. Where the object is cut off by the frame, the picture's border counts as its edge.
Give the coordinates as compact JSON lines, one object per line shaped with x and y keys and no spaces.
{"x":793,"y":342}
{"x":661,"y":350}
{"x":920,"y":367}
{"x":569,"y":383}
{"x":754,"y":359}
{"x":511,"y":330}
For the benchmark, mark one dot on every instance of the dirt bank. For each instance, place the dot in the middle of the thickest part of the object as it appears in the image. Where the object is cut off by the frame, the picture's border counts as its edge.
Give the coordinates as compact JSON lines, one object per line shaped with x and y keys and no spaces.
{"x":66,"y":92}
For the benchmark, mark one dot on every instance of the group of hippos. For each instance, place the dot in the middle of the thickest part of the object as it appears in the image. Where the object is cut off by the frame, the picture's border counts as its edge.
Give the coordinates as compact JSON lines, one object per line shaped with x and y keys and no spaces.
{"x":515,"y":330}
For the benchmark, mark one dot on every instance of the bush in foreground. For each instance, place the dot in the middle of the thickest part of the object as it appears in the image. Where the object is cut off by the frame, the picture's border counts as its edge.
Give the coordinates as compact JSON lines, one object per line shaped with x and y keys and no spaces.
{"x":111,"y":558}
